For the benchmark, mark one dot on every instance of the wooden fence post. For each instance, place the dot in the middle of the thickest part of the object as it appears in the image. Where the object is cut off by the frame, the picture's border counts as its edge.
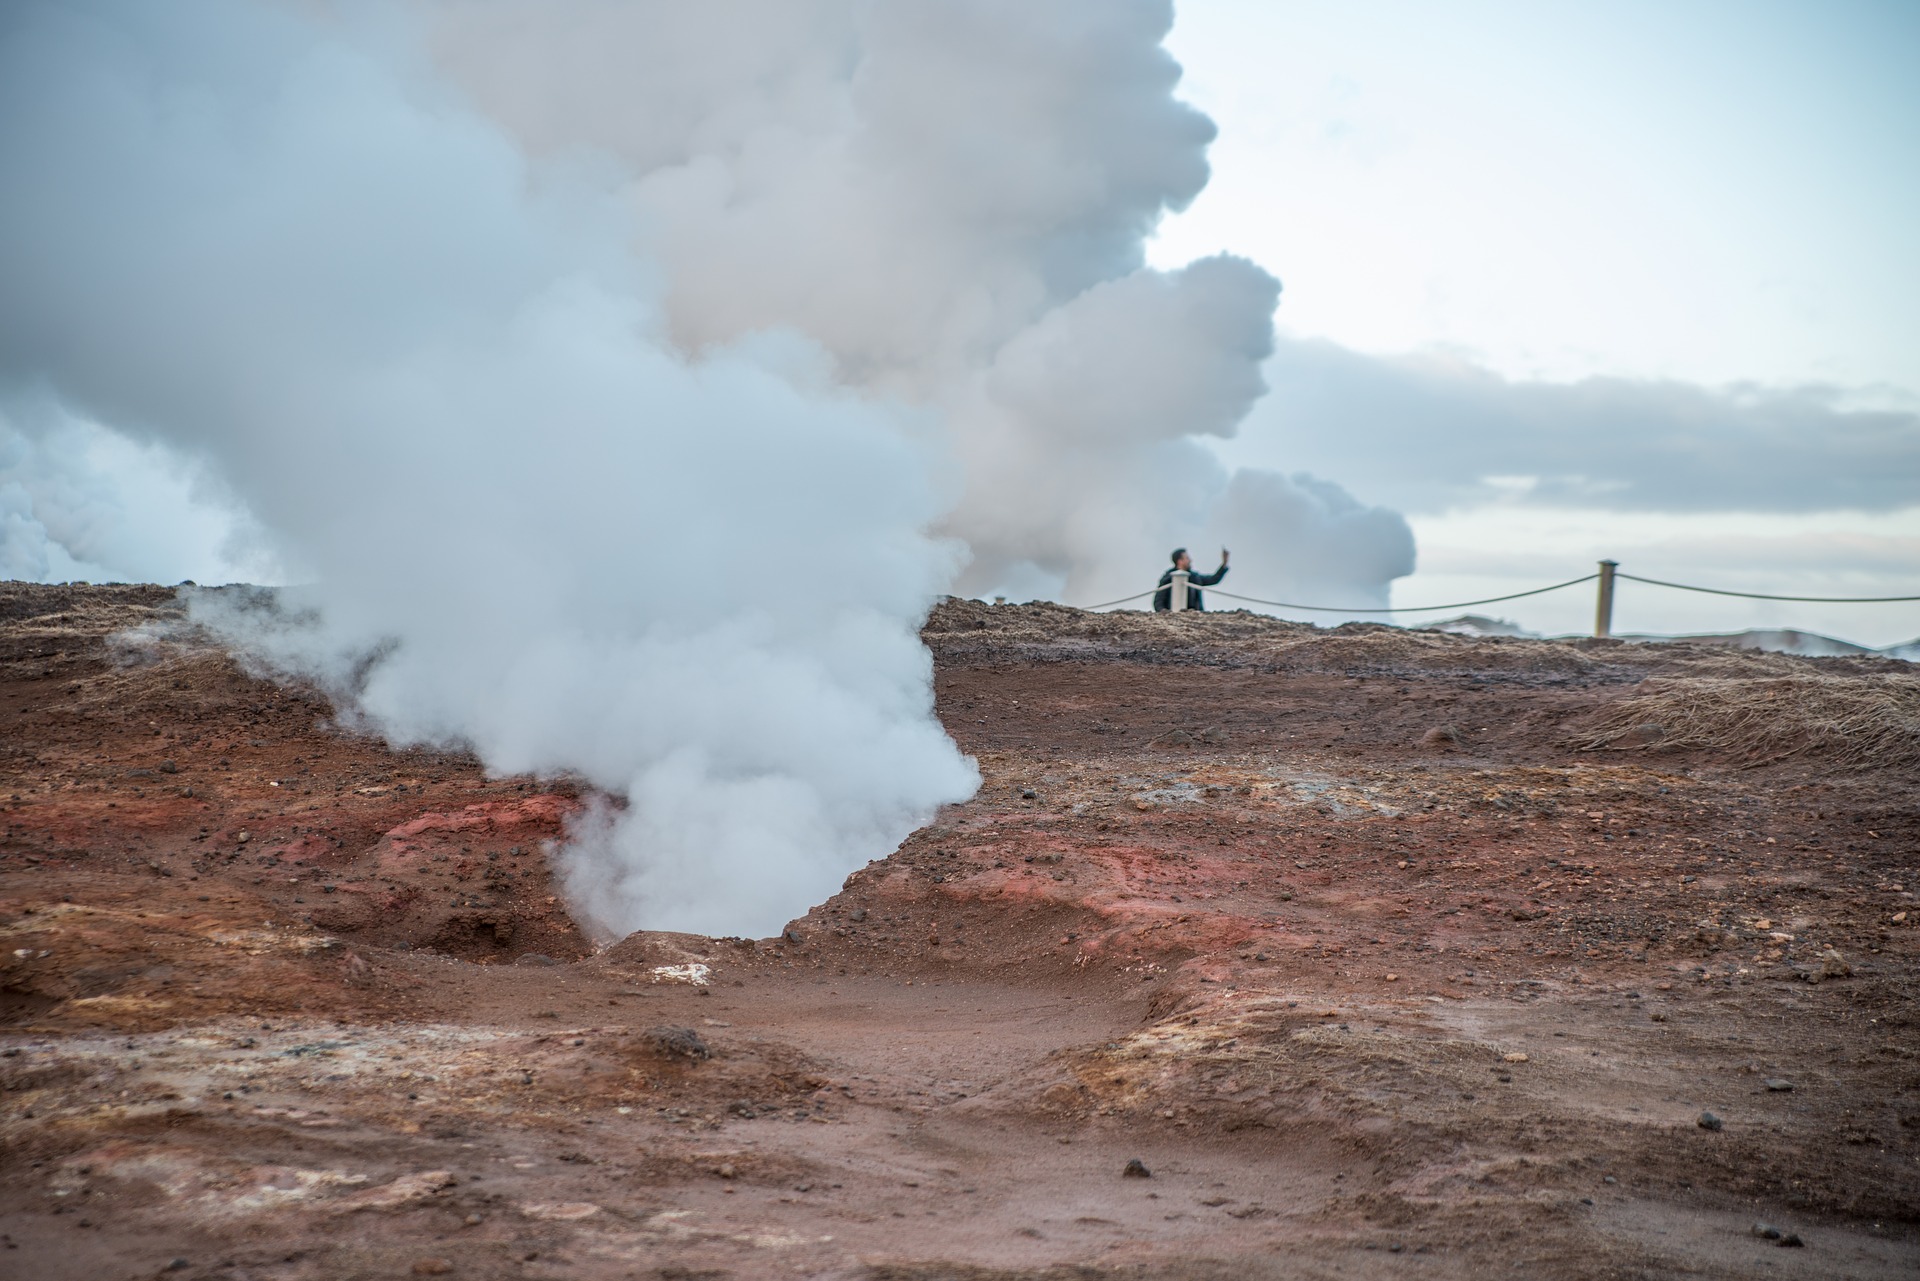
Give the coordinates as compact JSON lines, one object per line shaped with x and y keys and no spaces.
{"x":1603,"y":611}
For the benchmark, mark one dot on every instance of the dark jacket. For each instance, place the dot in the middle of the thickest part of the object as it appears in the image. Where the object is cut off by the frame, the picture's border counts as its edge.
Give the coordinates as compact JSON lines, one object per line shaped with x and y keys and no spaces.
{"x":1163,"y":599}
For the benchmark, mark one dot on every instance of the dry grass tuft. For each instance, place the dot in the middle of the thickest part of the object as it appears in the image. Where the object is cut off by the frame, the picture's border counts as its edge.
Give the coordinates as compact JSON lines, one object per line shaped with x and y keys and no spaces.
{"x":1860,"y":720}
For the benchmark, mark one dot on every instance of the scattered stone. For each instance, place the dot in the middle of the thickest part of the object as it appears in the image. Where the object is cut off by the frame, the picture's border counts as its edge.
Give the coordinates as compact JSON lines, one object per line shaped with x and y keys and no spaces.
{"x":1779,"y":1085}
{"x":1766,"y":1231}
{"x":677,"y":1043}
{"x":727,"y":1171}
{"x":168,"y":767}
{"x":693,"y":973}
{"x":1515,"y":1057}
{"x":560,"y":1211}
{"x":244,"y":836}
{"x":432,"y":1267}
{"x":177,"y":1265}
{"x":1708,"y":1121}
{"x":1136,"y":1169}
{"x":1792,"y":1239}
{"x":1444,"y":737}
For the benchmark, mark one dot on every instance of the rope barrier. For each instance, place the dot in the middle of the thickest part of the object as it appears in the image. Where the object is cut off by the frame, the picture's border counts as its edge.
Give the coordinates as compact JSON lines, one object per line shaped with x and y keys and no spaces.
{"x":1817,"y":600}
{"x":1124,"y":599}
{"x":1400,"y":609}
{"x":1494,"y":600}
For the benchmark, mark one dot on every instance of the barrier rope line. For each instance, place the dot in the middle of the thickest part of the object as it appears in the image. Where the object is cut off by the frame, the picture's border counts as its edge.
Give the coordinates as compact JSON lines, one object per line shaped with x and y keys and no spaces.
{"x":1402,"y":609}
{"x":1124,"y":599}
{"x":1817,"y":600}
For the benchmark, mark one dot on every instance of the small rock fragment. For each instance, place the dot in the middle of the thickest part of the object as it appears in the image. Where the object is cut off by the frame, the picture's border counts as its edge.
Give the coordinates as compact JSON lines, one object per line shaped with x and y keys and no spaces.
{"x":432,"y":1267}
{"x":1766,"y":1230}
{"x":1136,"y":1169}
{"x":1779,"y":1085}
{"x":677,"y":1043}
{"x":1792,"y":1239}
{"x":1708,"y":1121}
{"x":1515,"y":1057}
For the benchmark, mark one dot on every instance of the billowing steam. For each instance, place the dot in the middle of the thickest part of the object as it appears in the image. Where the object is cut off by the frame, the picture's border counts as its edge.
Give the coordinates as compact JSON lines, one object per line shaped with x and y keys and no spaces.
{"x":628,"y":379}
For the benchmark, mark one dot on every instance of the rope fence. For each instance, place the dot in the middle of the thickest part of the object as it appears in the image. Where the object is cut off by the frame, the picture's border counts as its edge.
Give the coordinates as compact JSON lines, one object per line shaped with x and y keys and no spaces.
{"x":1817,"y":600}
{"x":1603,"y":616}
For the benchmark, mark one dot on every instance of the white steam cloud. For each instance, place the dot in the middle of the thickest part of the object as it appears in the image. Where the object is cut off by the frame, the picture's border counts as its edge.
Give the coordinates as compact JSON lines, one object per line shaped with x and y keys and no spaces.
{"x":628,"y":379}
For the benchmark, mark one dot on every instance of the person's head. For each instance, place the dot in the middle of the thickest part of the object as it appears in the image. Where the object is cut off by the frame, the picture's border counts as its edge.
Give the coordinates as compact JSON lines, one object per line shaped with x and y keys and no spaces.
{"x":1181,"y":560}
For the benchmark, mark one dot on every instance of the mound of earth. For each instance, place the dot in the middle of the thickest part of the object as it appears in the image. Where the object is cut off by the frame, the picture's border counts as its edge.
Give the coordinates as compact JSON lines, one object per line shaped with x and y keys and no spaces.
{"x":1378,"y":953}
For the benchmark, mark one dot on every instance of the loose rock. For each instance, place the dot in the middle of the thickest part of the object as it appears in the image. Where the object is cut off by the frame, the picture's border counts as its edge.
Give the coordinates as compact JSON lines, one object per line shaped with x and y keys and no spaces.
{"x":1136,"y":1169}
{"x":677,"y":1043}
{"x":1708,"y":1121}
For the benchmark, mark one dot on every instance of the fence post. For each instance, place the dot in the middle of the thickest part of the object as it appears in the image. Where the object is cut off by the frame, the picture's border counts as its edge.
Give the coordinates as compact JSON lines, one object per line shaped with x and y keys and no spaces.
{"x":1178,"y":597}
{"x":1603,"y":610}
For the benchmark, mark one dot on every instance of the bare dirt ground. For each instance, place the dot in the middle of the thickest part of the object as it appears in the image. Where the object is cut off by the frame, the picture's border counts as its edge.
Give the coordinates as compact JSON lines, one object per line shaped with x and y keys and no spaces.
{"x":1385,"y":954}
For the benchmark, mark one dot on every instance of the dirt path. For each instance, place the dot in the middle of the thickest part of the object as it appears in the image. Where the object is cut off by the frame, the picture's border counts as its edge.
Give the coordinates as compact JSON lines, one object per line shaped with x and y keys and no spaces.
{"x":1341,"y":935}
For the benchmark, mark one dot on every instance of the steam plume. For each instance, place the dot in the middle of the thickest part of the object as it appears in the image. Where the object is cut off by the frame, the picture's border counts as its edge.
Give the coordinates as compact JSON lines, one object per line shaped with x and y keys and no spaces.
{"x":631,"y":378}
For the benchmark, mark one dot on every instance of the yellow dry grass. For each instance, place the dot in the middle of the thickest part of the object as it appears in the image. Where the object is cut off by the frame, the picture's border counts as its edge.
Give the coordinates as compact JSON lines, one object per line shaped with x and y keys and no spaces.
{"x":1861,"y":720}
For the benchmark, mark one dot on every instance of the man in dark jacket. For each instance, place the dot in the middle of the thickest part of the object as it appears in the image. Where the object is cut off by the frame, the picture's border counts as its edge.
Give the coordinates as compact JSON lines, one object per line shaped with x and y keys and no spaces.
{"x":1163,"y":599}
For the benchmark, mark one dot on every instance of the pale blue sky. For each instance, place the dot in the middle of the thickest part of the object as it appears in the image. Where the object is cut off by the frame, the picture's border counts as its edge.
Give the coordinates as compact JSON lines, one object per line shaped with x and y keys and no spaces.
{"x":1703,"y":189}
{"x":1685,"y":195}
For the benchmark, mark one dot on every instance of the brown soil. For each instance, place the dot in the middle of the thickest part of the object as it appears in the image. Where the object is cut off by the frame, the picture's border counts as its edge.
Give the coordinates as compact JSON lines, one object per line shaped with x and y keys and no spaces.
{"x":1385,"y":953}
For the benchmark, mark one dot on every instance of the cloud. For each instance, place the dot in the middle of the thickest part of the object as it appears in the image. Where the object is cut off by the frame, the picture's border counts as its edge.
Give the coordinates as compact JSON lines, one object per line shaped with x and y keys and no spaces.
{"x":1430,"y":433}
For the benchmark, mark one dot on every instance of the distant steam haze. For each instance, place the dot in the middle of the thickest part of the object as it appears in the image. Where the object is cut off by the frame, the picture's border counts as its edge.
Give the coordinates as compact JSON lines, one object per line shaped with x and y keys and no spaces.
{"x":630,"y":379}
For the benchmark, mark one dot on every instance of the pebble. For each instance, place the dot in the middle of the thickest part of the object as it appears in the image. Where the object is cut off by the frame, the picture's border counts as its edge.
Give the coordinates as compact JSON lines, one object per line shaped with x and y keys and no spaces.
{"x":1136,"y":1169}
{"x":1708,"y":1121}
{"x":177,"y":1265}
{"x":432,"y":1267}
{"x":1779,"y":1085}
{"x":1767,"y":1230}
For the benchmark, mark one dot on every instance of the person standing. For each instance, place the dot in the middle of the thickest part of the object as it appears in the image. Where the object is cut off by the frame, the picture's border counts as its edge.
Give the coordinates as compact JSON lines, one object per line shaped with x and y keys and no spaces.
{"x":1163,"y":599}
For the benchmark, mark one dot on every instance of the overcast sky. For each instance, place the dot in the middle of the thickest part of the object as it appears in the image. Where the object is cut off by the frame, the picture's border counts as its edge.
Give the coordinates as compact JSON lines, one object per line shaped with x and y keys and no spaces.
{"x":1569,"y":280}
{"x":1561,"y":281}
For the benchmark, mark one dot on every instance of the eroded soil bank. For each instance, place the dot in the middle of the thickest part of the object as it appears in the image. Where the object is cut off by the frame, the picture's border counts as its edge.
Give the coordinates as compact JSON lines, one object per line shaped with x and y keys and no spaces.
{"x":1383,"y":954}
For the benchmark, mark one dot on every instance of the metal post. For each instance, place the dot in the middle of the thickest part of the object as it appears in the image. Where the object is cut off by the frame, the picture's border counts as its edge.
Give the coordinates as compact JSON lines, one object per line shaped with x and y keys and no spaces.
{"x":1179,"y":594}
{"x":1603,"y":611}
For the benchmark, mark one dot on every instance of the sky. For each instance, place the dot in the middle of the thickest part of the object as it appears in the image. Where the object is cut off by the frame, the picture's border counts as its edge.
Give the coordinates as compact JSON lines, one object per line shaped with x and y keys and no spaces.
{"x":1560,"y":282}
{"x":1571,"y":281}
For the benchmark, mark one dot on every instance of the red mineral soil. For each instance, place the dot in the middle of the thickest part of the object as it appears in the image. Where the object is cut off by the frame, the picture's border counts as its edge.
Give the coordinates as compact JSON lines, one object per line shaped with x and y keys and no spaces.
{"x":1264,"y":951}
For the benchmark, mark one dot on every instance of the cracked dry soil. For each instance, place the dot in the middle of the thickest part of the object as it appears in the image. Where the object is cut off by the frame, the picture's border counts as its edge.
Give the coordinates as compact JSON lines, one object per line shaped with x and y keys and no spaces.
{"x":1387,"y":954}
